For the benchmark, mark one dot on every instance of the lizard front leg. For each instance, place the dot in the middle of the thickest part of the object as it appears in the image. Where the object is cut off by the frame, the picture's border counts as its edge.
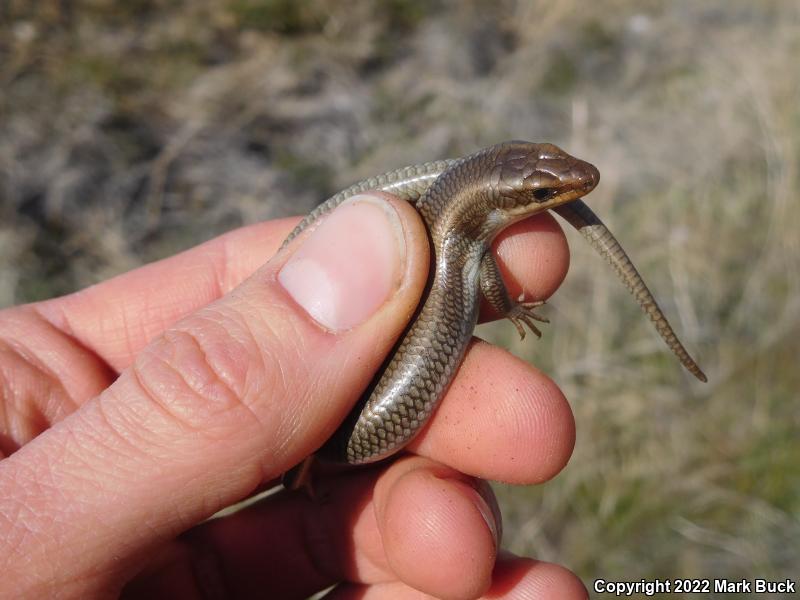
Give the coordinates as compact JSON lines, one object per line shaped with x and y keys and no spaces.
{"x":494,"y":290}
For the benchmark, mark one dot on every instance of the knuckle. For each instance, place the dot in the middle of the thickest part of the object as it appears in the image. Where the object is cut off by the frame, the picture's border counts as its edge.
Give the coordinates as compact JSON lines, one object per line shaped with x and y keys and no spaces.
{"x":201,"y":376}
{"x":26,"y":386}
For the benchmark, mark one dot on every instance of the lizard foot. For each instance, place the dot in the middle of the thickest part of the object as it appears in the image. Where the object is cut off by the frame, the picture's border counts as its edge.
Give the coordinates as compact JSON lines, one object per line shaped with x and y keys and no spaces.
{"x":522,"y":314}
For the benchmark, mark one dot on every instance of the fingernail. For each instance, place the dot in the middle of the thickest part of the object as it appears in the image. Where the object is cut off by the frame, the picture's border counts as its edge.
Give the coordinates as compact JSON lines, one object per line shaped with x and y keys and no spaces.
{"x":486,"y":504}
{"x":349,"y":265}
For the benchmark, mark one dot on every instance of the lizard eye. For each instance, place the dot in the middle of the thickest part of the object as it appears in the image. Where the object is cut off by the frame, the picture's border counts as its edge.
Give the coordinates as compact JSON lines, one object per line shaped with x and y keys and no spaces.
{"x":544,"y":193}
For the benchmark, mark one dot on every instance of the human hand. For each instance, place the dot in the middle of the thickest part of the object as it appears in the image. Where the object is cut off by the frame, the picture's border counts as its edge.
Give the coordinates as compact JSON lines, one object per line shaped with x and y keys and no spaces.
{"x":135,"y":409}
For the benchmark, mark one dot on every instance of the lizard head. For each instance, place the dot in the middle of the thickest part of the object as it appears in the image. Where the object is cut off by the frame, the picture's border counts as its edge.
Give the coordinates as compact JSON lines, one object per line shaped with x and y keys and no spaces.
{"x":530,"y":178}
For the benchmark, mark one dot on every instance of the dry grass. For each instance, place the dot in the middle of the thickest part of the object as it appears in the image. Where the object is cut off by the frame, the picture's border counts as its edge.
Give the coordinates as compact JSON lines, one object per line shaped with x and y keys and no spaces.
{"x":130,"y":133}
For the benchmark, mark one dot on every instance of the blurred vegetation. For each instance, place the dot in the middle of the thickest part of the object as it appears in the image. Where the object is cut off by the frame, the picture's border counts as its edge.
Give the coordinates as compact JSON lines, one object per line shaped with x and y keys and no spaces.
{"x":131,"y":130}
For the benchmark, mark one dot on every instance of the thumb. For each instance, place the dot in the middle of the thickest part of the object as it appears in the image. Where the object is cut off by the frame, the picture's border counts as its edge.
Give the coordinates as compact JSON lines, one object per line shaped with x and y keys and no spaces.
{"x":231,"y":396}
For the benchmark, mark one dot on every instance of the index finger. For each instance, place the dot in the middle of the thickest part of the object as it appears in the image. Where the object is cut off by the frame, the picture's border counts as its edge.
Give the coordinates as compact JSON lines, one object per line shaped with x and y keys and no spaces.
{"x":118,"y":317}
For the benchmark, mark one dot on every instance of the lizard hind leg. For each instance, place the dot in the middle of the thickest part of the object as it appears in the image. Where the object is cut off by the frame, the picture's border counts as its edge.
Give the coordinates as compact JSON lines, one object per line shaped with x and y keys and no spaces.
{"x":496,"y":293}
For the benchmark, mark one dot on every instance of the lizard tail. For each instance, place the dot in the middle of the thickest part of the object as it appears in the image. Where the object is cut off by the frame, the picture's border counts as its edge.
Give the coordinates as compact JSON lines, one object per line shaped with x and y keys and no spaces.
{"x":582,"y":218}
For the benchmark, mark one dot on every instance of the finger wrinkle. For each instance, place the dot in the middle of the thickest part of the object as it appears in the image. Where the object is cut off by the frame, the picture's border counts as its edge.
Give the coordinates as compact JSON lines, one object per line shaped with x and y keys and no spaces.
{"x":279,"y":383}
{"x":156,"y":401}
{"x":288,"y":375}
{"x":176,"y":375}
{"x":221,"y":350}
{"x":28,"y":355}
{"x":65,"y":330}
{"x":59,"y":315}
{"x":14,"y":409}
{"x":31,"y":396}
{"x":279,"y":380}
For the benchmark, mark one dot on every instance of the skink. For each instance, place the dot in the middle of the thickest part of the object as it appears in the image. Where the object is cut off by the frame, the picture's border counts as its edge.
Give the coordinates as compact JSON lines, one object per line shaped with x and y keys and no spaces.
{"x":465,"y":203}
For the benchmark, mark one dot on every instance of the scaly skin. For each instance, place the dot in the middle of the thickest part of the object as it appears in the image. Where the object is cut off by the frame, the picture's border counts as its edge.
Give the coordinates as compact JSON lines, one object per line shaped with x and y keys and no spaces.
{"x":465,"y":203}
